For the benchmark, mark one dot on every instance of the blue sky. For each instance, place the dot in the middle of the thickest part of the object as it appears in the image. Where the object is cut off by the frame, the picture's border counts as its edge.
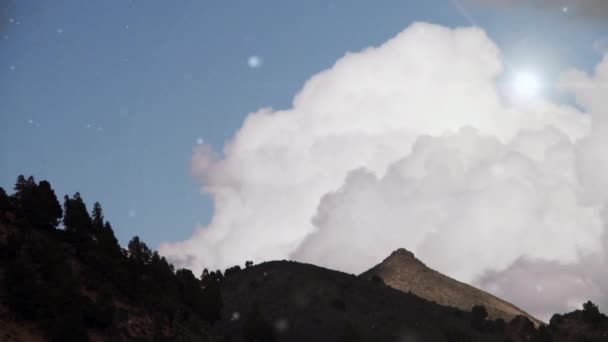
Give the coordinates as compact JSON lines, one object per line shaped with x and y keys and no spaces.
{"x":109,"y":97}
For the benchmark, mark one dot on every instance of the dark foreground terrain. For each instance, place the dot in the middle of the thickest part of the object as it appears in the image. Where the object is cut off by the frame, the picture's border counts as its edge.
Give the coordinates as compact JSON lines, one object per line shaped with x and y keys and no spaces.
{"x":75,"y":283}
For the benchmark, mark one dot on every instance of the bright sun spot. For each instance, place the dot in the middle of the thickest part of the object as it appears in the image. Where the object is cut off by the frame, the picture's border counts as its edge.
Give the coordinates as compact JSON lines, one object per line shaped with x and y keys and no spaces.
{"x":526,"y":84}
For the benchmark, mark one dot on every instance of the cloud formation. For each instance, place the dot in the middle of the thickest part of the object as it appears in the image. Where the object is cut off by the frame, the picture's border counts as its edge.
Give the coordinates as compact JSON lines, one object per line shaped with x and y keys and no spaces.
{"x":412,"y":144}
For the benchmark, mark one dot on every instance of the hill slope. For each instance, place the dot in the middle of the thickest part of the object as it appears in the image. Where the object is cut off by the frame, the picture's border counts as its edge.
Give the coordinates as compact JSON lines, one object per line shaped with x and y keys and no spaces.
{"x":78,"y":284}
{"x":404,"y":272}
{"x":309,"y":303}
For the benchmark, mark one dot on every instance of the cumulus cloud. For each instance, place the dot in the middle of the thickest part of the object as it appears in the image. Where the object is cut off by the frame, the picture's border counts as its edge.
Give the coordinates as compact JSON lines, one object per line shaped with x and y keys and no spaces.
{"x":412,"y":144}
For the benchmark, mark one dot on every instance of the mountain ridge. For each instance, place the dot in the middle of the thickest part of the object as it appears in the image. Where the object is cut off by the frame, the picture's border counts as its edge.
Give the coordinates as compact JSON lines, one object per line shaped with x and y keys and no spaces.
{"x":403,"y":271}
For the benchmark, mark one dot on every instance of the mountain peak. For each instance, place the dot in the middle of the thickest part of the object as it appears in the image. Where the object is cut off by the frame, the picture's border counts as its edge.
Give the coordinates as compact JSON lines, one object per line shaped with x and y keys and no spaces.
{"x":402,"y":252}
{"x":401,"y":270}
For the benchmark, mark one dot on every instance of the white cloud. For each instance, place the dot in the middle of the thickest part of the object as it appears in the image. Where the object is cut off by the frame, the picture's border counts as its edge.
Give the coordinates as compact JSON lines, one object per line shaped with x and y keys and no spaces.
{"x":410,"y":144}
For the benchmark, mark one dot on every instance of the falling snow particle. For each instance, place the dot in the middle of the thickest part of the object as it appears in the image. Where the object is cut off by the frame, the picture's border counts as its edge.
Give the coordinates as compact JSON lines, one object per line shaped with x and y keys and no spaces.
{"x":254,"y":62}
{"x":132,"y":213}
{"x":565,"y":9}
{"x":199,"y":141}
{"x":12,"y":67}
{"x":235,"y":316}
{"x":282,"y":325}
{"x":30,"y":121}
{"x":59,"y":30}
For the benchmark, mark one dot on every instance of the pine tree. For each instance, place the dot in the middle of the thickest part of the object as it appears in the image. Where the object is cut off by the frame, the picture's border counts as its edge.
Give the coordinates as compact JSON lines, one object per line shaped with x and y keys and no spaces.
{"x":5,"y":203}
{"x":138,"y":251}
{"x":76,"y":218}
{"x":45,"y":209}
{"x":97,"y":217}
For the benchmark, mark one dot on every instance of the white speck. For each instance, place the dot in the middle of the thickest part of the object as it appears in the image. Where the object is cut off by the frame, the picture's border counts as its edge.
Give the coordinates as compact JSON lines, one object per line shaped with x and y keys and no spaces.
{"x":254,"y":62}
{"x":200,"y":141}
{"x":565,"y":9}
{"x":539,"y":288}
{"x":59,"y":30}
{"x":281,"y":325}
{"x":30,"y":121}
{"x":132,"y":213}
{"x":99,"y":128}
{"x":126,"y":27}
{"x":12,"y":67}
{"x":10,"y":20}
{"x":235,"y":316}
{"x":88,"y":125}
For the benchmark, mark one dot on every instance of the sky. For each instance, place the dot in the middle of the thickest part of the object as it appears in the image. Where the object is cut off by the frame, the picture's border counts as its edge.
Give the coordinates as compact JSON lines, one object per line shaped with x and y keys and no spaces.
{"x":234,"y":130}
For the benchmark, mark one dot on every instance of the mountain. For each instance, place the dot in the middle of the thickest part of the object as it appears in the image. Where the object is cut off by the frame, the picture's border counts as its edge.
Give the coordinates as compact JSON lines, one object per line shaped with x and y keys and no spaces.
{"x":304,"y":302}
{"x":75,"y":283}
{"x":404,"y":272}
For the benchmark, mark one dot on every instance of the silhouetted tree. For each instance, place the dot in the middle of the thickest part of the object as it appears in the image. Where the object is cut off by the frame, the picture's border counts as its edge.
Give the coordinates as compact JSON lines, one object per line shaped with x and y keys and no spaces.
{"x":248,"y":264}
{"x":107,"y":240}
{"x":23,"y":187}
{"x":5,"y":203}
{"x":591,"y":314}
{"x":478,"y":319}
{"x":23,"y":196}
{"x":44,"y":209}
{"x":76,"y":217}
{"x":97,"y":218}
{"x":232,"y":270}
{"x":37,"y":202}
{"x":138,"y":251}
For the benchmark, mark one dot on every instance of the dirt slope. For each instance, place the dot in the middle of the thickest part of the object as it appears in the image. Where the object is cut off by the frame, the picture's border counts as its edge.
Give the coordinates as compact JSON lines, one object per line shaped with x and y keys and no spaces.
{"x":404,"y":272}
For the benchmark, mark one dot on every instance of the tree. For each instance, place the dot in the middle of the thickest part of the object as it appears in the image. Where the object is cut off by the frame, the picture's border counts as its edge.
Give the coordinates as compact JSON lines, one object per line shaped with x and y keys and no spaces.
{"x":97,"y":218}
{"x":138,"y":251}
{"x":23,"y":187}
{"x":107,"y":241}
{"x":591,"y":314}
{"x":478,"y":319}
{"x":22,"y":197}
{"x":248,"y":264}
{"x":76,"y":217}
{"x":37,"y":202}
{"x":232,"y":270}
{"x":45,"y":210}
{"x":5,"y":203}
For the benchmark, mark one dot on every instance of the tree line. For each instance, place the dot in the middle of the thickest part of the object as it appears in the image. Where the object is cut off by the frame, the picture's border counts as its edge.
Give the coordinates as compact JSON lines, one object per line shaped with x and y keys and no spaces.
{"x":50,"y":268}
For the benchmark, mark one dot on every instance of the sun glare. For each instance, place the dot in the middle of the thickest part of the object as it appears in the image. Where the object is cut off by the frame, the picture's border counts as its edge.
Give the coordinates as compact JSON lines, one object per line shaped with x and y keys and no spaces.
{"x":526,"y":84}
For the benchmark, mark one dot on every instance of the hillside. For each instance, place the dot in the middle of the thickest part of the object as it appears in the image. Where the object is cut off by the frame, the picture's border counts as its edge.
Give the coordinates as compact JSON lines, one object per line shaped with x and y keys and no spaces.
{"x":75,"y":283}
{"x":404,"y":272}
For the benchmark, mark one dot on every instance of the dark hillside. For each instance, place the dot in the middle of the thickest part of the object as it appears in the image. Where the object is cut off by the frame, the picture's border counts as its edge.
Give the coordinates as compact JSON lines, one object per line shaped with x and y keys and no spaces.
{"x":76,"y":283}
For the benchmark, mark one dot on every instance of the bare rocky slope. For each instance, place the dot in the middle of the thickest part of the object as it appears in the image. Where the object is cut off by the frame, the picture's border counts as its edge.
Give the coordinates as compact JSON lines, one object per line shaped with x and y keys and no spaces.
{"x":404,"y":272}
